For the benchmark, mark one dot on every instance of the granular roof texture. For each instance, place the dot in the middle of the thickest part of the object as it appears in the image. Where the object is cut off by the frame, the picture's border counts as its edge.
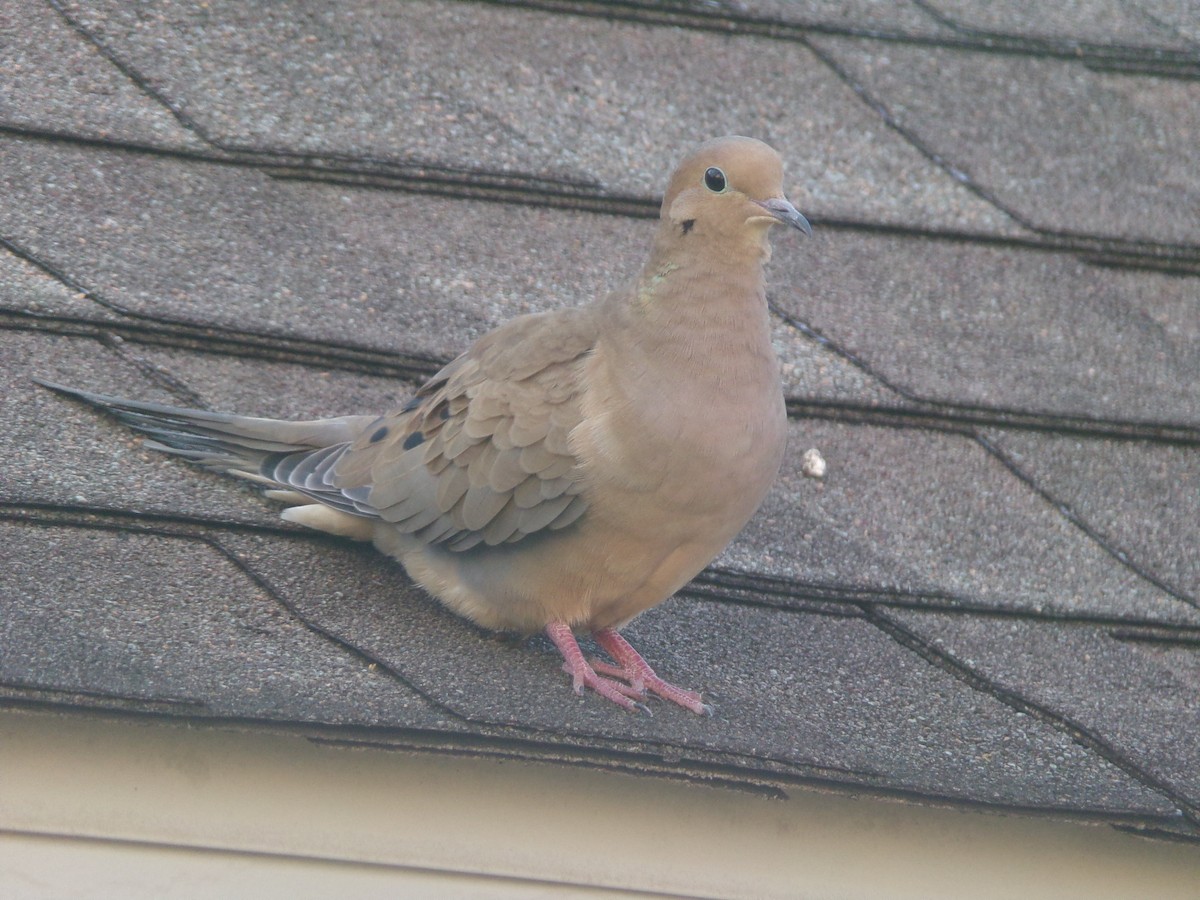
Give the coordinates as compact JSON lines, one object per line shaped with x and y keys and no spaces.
{"x":992,"y":598}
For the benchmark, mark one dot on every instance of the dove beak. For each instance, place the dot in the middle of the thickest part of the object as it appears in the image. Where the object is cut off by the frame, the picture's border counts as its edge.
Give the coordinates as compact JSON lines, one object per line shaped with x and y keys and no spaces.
{"x":780,"y":209}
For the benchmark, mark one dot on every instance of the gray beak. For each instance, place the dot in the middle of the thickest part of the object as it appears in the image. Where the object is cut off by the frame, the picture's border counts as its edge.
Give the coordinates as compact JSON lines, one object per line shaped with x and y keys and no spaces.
{"x":782,"y":210}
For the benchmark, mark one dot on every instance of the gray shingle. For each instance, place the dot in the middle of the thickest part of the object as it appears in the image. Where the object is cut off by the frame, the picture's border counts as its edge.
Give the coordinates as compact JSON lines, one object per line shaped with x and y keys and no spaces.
{"x":201,"y":638}
{"x":904,"y":17}
{"x":421,"y":275}
{"x":807,"y":694}
{"x":1064,"y":147}
{"x":998,"y":326}
{"x":588,"y":101}
{"x":1136,"y":700}
{"x":55,"y":80}
{"x":1004,"y":619}
{"x":1141,"y":498}
{"x":1110,"y":21}
{"x":935,"y":515}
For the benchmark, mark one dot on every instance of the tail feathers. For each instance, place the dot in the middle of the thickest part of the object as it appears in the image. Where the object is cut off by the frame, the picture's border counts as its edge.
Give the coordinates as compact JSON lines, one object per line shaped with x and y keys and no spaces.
{"x":238,"y":445}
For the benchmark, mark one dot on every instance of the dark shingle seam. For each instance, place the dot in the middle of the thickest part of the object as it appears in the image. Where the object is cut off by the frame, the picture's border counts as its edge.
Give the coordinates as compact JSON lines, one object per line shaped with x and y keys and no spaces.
{"x":130,"y":72}
{"x":736,"y":765}
{"x":914,"y":412}
{"x":1131,"y":59}
{"x":716,"y":585}
{"x":1182,"y":260}
{"x":667,"y":749}
{"x":1095,"y":256}
{"x":963,"y":418}
{"x":913,"y":139}
{"x":1119,"y":57}
{"x":524,"y":189}
{"x":1160,"y":834}
{"x":1161,"y":637}
{"x":1081,"y":734}
{"x":48,"y":514}
{"x":411,"y":174}
{"x":1139,"y":59}
{"x":164,"y":331}
{"x":730,"y":585}
{"x":365,"y":656}
{"x":50,"y":693}
{"x":707,"y":771}
{"x":189,"y":530}
{"x":208,"y":533}
{"x":155,"y":373}
{"x":1064,"y":509}
{"x":1061,"y":507}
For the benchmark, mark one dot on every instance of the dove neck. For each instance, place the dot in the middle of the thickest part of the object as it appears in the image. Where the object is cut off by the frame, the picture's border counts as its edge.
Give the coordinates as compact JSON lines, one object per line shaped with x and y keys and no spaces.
{"x":697,"y":306}
{"x":703,"y":276}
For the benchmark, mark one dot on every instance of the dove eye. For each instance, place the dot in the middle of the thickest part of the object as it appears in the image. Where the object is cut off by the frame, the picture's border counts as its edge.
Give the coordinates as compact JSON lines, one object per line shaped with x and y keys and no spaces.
{"x":714,"y":180}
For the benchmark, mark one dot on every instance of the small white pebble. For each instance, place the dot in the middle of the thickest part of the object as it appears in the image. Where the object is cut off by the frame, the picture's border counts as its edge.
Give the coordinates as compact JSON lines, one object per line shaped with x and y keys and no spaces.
{"x":812,"y":463}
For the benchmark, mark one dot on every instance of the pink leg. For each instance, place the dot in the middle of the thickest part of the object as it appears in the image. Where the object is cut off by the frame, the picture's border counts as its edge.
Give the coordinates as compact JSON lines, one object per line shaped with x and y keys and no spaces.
{"x":640,"y":676}
{"x":582,"y":675}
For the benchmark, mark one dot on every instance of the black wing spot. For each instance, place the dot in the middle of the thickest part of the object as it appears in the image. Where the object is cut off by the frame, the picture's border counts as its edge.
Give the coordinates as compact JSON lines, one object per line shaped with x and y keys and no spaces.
{"x":687,"y":225}
{"x":379,"y":435}
{"x":416,"y":439}
{"x":444,"y":411}
{"x":413,"y":403}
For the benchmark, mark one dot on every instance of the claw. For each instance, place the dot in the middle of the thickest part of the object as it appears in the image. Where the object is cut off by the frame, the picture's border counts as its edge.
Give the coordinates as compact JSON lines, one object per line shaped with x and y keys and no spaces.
{"x":588,"y":677}
{"x":638,"y":673}
{"x":602,"y":668}
{"x":634,"y":674}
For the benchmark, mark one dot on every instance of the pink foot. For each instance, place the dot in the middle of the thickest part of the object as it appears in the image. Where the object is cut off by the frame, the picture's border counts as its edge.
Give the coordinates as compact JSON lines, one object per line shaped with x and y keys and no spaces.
{"x":583,"y":676}
{"x":635,"y":670}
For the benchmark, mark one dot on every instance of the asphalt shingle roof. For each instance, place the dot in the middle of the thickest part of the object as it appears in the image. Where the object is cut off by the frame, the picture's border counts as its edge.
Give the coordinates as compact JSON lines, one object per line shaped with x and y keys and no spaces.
{"x":992,"y":598}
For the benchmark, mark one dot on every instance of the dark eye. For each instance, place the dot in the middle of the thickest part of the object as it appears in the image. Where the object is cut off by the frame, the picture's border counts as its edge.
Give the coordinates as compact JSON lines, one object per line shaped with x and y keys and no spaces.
{"x":714,"y":180}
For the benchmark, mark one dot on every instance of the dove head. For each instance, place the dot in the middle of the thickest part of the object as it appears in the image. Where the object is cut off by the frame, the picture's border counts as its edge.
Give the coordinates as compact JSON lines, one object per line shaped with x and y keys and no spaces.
{"x":729,"y":190}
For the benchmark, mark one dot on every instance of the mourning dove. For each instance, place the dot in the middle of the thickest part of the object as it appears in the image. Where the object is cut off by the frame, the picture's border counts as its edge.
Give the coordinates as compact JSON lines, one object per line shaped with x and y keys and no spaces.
{"x":573,"y":468}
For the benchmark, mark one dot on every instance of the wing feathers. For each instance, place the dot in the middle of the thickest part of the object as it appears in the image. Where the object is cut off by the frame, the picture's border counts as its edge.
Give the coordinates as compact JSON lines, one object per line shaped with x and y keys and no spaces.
{"x":481,"y":454}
